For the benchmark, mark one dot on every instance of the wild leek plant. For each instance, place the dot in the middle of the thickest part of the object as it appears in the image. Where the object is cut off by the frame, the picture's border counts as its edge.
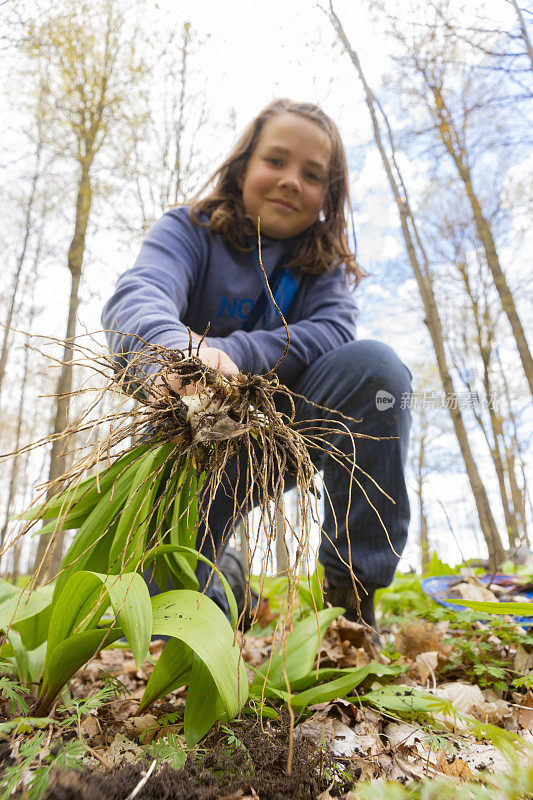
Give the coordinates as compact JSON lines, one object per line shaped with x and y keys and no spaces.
{"x":143,"y":509}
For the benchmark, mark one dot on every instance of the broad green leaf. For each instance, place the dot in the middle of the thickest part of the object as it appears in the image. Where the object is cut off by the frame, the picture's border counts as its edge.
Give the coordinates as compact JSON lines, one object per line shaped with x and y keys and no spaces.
{"x":316,"y":583}
{"x":6,"y":651}
{"x":94,"y":532}
{"x":98,"y":557}
{"x":29,"y":664}
{"x":295,"y":657}
{"x":184,"y":527}
{"x":196,"y":620}
{"x":163,"y":549}
{"x":68,"y":522}
{"x":81,"y":498}
{"x":24,"y":604}
{"x":315,"y":677}
{"x":34,"y":630}
{"x":310,"y":589}
{"x":340,"y":686}
{"x":85,"y":597}
{"x":67,"y":659}
{"x":79,"y":606}
{"x":7,"y":590}
{"x":203,"y":706}
{"x":131,"y":603}
{"x":131,"y":534}
{"x":403,"y":699}
{"x":512,"y":609}
{"x":172,"y":670}
{"x":20,"y":660}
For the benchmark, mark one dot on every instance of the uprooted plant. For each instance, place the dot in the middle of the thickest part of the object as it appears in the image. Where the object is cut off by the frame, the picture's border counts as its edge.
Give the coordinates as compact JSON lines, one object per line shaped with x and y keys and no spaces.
{"x":142,"y":508}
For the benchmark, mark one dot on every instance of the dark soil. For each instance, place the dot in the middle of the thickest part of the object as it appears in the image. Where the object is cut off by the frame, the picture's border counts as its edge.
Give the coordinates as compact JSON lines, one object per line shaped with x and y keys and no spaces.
{"x":221,"y":770}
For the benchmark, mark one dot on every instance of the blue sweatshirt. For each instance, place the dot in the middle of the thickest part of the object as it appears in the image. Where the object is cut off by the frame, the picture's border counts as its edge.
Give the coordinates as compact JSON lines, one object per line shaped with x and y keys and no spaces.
{"x":186,"y":276}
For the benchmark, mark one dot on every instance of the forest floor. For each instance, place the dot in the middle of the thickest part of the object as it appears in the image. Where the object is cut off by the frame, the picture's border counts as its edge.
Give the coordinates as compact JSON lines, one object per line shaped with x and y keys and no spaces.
{"x":96,"y":746}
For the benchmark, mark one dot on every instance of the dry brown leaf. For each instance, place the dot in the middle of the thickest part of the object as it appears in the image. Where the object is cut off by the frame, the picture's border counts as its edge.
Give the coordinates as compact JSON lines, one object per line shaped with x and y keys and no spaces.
{"x":425,"y":665}
{"x":264,"y":614}
{"x":418,"y":637}
{"x":402,"y":734}
{"x":122,"y":709}
{"x":336,"y":709}
{"x":493,"y":712}
{"x":90,"y":728}
{"x":143,"y":727}
{"x":353,"y":632}
{"x":455,"y":767}
{"x":464,"y":696}
{"x":523,"y":661}
{"x":256,"y":649}
{"x":331,"y":653}
{"x":525,"y":716}
{"x":316,"y":730}
{"x":122,"y":749}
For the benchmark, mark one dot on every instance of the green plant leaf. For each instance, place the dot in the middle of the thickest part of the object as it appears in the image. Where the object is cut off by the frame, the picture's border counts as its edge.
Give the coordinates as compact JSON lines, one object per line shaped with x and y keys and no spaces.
{"x":172,"y":670}
{"x":23,"y":604}
{"x":163,"y":549}
{"x":316,"y":583}
{"x":315,"y":677}
{"x":34,"y":630}
{"x":204,"y":705}
{"x":129,"y":542}
{"x":196,"y":620}
{"x":404,"y":700}
{"x":24,"y":725}
{"x":511,"y":609}
{"x":67,"y":522}
{"x":79,"y":606}
{"x":66,"y":660}
{"x":28,"y":663}
{"x":340,"y":686}
{"x":7,"y":590}
{"x":82,"y":498}
{"x":86,"y":596}
{"x":295,"y":657}
{"x":131,"y":603}
{"x":94,"y":533}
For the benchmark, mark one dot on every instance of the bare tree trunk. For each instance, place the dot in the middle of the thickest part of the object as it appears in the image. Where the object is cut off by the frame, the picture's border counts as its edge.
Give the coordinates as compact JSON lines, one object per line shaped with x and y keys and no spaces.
{"x":452,"y":142}
{"x":424,"y":538}
{"x":523,"y":30}
{"x":512,"y":449}
{"x":485,"y":344}
{"x":432,"y":319}
{"x":15,"y":463}
{"x":51,"y":552}
{"x":181,"y":104}
{"x":28,"y":229}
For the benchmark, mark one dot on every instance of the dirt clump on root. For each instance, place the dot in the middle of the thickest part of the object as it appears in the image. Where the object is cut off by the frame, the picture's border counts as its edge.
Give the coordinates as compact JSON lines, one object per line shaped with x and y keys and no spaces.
{"x":257,"y":763}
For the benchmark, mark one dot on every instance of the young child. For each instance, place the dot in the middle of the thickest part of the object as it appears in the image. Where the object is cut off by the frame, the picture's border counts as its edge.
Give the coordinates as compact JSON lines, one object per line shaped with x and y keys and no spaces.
{"x":200,"y":265}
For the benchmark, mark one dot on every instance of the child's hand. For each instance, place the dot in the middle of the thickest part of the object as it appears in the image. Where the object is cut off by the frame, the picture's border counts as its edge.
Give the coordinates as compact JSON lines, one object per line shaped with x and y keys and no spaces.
{"x":211,"y":356}
{"x":218,"y":359}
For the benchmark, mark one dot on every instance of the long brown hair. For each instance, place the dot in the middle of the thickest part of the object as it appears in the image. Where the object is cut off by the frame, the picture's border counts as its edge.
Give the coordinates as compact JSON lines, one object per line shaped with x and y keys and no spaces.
{"x":324,"y":246}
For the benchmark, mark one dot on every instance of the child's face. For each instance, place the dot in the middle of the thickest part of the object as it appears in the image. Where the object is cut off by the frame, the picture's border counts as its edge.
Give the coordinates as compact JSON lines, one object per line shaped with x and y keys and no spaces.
{"x":286,"y":178}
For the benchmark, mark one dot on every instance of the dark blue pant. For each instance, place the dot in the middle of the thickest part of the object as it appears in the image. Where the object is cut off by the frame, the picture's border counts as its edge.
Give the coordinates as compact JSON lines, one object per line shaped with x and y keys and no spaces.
{"x":365,"y":380}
